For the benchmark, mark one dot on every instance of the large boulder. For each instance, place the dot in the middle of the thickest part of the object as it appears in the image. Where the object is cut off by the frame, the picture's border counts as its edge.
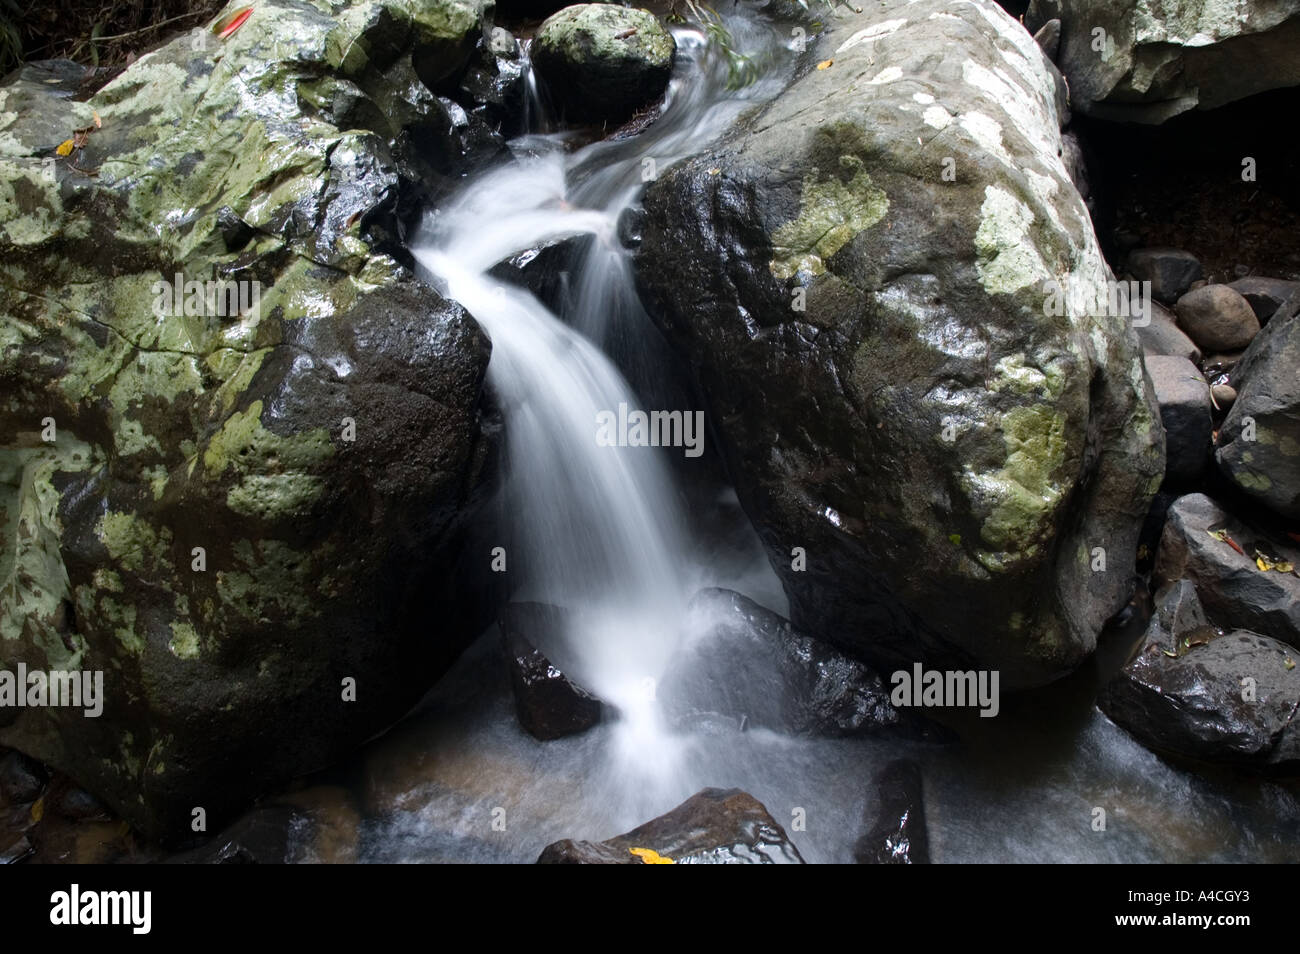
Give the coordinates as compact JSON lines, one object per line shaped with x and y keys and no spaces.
{"x":1217,"y":318}
{"x":1223,"y":698}
{"x":1147,"y":60}
{"x":601,"y":61}
{"x":1246,"y":576}
{"x":713,"y":827}
{"x":246,"y":510}
{"x":907,"y":374}
{"x":1259,"y":442}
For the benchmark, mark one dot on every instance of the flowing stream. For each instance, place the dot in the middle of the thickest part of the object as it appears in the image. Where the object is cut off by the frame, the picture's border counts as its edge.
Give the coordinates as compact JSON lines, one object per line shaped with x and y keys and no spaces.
{"x":613,"y":534}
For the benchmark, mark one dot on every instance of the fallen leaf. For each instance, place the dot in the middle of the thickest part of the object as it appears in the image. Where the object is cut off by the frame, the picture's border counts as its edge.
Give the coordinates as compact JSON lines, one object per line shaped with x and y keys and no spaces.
{"x":649,"y":856}
{"x":99,"y":123}
{"x":1222,"y":536}
{"x":825,"y":64}
{"x":1266,"y":563}
{"x":65,"y":148}
{"x":38,"y":809}
{"x":1289,"y":663}
{"x":229,"y":25}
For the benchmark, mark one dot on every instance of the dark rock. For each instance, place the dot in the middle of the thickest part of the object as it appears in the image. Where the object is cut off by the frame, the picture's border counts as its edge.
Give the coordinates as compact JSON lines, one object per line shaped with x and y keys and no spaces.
{"x":1048,"y":38}
{"x":21,"y":778}
{"x":1075,"y":166}
{"x":15,"y":847}
{"x":1235,"y":592}
{"x":1170,"y":271}
{"x":1162,"y":336}
{"x":78,"y":804}
{"x":1265,"y":295}
{"x":749,"y":664}
{"x":895,"y":833}
{"x":713,"y":826}
{"x":1184,"y":399}
{"x":263,"y":836}
{"x":600,"y":62}
{"x":1187,"y":690}
{"x":1259,"y":442}
{"x":923,"y":409}
{"x":1218,"y":366}
{"x":1217,"y":318}
{"x":549,"y":705}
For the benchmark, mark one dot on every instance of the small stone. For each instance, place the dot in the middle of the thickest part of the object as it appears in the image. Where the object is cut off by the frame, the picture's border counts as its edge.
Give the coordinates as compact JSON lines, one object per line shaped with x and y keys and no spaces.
{"x":1265,"y":295}
{"x":1217,"y":318}
{"x":549,"y":704}
{"x":21,"y":778}
{"x":79,"y":805}
{"x":895,"y":833}
{"x":1170,"y":271}
{"x":1225,"y":395}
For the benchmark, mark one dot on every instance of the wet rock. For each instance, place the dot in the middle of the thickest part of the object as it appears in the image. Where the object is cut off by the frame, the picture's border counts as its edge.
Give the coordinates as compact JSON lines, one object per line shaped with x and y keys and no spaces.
{"x":1265,"y":295}
{"x":549,"y":704}
{"x":77,"y":804}
{"x":749,"y":664}
{"x":21,"y":778}
{"x":1217,"y":318}
{"x":1190,"y":691}
{"x":713,"y":826}
{"x":1164,"y":59}
{"x":1170,"y":271}
{"x":1162,"y":336}
{"x":1259,"y":442}
{"x":1235,"y":592}
{"x":895,"y":832}
{"x":264,"y":836}
{"x":15,"y":848}
{"x":493,"y":87}
{"x":1184,"y":399}
{"x":600,"y":62}
{"x":248,"y":503}
{"x":888,"y":385}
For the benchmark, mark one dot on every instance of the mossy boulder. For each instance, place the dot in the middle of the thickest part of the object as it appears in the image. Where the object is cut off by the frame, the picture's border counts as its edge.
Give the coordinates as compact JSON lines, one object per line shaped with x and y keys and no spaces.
{"x":601,"y":61}
{"x":886,"y":286}
{"x":236,"y":506}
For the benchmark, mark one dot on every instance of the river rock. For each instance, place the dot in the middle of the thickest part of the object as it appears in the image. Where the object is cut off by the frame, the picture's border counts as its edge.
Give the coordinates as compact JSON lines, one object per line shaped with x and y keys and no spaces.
{"x":1184,"y":398}
{"x":876,"y":346}
{"x":714,"y":826}
{"x":895,"y":833}
{"x":601,"y":61}
{"x":1170,"y":271}
{"x":1235,"y":592}
{"x":21,"y":778}
{"x":1259,"y":442}
{"x":1154,"y":60}
{"x":548,"y":703}
{"x":244,"y":515}
{"x":1265,"y":295}
{"x":1217,"y":318}
{"x":1185,"y":692}
{"x":1162,"y":336}
{"x":1224,"y":395}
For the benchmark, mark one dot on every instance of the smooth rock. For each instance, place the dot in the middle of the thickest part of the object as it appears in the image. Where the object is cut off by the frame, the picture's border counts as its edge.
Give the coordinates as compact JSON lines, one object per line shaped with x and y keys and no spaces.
{"x":1235,"y":592}
{"x":1259,"y":442}
{"x":1184,"y":399}
{"x":1217,"y":318}
{"x":1171,"y":271}
{"x":1184,"y":693}
{"x":600,"y":61}
{"x":895,"y":833}
{"x":713,"y":826}
{"x":548,"y":703}
{"x":1162,"y":336}
{"x":1224,"y":395}
{"x":21,"y":778}
{"x":1265,"y":295}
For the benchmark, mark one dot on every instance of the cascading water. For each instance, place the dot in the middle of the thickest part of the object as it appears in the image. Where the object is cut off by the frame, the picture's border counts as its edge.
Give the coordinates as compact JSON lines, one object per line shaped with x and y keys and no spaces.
{"x":602,"y":531}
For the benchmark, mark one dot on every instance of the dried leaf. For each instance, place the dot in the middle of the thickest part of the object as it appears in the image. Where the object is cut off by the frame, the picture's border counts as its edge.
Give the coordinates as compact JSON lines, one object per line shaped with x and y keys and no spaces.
{"x":38,"y":809}
{"x":1266,"y":563}
{"x":825,"y":64}
{"x":99,"y":123}
{"x":65,"y":148}
{"x":649,"y":856}
{"x":1289,"y":663}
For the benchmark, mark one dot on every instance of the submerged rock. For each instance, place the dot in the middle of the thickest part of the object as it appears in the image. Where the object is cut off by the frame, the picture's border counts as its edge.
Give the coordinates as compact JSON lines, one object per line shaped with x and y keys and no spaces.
{"x":1259,"y":442}
{"x":898,"y":397}
{"x":749,"y":664}
{"x":1193,"y":692}
{"x":1218,"y":553}
{"x":244,"y":505}
{"x":601,"y":61}
{"x":548,"y":703}
{"x":714,"y":826}
{"x":895,"y":833}
{"x":1142,"y":61}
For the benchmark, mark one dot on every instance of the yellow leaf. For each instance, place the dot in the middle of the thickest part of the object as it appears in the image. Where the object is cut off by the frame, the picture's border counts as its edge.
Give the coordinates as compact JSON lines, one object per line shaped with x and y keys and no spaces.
{"x":65,"y":147}
{"x":38,"y":809}
{"x":1267,"y":563}
{"x":649,"y":856}
{"x":99,"y":123}
{"x":825,"y":64}
{"x":1289,"y":663}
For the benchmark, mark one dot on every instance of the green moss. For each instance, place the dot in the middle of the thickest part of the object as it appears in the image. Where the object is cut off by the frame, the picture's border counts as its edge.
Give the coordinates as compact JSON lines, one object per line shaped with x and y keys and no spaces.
{"x":133,"y":543}
{"x":831,"y":213}
{"x":1006,"y":258}
{"x":244,"y":444}
{"x":184,"y":642}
